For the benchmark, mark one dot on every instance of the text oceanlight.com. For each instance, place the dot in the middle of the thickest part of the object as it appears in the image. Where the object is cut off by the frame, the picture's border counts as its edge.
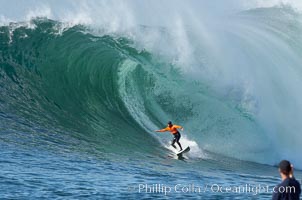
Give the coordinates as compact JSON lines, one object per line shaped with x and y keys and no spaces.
{"x":209,"y":188}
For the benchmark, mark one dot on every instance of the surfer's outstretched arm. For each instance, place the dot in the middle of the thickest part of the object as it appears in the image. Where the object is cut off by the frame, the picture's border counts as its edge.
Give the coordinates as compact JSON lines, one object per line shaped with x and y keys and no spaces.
{"x":161,"y":130}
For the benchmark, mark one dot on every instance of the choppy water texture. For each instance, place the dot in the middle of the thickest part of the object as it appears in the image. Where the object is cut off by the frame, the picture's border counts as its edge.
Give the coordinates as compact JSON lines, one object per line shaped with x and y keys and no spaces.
{"x":79,"y":104}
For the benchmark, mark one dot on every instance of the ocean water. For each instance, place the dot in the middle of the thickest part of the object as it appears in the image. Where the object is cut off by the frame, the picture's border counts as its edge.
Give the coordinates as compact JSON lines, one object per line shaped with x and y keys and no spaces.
{"x":83,"y":87}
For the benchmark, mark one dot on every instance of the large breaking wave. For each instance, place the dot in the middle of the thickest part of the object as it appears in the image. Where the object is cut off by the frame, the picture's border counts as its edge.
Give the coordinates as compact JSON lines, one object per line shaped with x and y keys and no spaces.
{"x":234,"y":85}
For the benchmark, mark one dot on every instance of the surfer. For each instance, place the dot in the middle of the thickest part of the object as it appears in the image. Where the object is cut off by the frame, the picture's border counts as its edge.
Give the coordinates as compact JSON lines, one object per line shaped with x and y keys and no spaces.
{"x":173,"y":129}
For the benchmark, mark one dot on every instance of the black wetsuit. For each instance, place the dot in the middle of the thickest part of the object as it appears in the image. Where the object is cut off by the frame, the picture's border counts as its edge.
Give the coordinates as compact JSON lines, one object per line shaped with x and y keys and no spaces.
{"x":289,"y":189}
{"x":176,"y":139}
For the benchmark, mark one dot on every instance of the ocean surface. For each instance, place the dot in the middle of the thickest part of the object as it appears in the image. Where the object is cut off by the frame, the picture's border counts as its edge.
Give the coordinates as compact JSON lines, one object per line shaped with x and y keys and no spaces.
{"x":81,"y":96}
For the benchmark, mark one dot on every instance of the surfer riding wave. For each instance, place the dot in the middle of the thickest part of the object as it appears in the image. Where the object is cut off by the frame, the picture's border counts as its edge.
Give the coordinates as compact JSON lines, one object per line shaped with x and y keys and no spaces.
{"x":173,"y":129}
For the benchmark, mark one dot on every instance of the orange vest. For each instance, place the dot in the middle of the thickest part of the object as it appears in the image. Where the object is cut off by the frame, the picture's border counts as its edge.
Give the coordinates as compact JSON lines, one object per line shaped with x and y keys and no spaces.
{"x":173,"y":129}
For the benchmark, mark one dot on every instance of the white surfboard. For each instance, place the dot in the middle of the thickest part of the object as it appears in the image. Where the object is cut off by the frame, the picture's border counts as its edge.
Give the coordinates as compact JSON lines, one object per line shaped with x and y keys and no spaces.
{"x":183,"y":151}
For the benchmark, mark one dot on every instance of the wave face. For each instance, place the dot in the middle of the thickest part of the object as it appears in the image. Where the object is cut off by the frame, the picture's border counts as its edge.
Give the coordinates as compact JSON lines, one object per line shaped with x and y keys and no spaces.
{"x":69,"y":81}
{"x":234,"y":85}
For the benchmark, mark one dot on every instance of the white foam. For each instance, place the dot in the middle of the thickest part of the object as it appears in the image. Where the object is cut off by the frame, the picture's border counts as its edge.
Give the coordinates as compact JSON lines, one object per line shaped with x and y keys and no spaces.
{"x":195,"y":151}
{"x":39,"y":11}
